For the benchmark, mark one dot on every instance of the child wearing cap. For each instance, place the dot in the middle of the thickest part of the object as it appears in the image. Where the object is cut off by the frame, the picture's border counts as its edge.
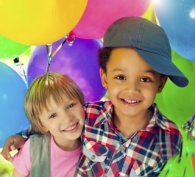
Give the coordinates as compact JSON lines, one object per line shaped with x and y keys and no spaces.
{"x":128,"y":135}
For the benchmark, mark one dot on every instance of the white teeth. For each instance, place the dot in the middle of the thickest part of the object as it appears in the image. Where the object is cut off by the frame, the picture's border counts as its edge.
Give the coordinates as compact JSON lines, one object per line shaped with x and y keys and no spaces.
{"x":131,"y":101}
{"x":71,"y":128}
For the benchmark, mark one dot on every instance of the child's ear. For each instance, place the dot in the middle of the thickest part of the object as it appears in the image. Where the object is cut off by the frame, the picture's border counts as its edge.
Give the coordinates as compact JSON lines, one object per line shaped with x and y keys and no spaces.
{"x":162,"y":83}
{"x":103,"y":78}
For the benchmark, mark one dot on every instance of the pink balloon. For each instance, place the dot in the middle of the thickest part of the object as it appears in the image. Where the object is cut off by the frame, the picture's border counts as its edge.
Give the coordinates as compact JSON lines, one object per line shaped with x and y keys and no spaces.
{"x":100,"y":14}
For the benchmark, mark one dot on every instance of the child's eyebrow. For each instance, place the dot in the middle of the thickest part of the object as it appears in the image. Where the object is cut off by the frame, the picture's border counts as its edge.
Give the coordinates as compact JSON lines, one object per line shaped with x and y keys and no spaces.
{"x":151,"y":72}
{"x":118,"y":69}
{"x":147,"y":71}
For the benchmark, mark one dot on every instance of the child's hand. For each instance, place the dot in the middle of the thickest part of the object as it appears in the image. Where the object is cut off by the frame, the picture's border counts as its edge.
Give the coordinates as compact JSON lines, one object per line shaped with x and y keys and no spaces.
{"x":13,"y":143}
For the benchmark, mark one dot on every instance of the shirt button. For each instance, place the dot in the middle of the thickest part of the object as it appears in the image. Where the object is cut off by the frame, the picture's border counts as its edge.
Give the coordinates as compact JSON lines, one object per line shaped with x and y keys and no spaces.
{"x":93,"y":157}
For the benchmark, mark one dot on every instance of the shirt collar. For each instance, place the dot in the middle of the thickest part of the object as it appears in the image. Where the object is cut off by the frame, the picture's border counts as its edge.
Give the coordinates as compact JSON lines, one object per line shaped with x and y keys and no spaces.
{"x":105,"y":114}
{"x":157,"y":120}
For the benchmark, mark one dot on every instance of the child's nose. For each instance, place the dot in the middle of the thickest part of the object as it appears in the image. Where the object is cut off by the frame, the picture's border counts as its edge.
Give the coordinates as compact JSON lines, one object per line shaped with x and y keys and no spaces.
{"x":67,"y":117}
{"x":132,"y":86}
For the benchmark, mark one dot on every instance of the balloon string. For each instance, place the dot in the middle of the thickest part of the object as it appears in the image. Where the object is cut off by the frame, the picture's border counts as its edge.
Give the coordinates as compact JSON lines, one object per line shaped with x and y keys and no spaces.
{"x":59,"y":47}
{"x":21,"y":67}
{"x":50,"y":54}
{"x":49,"y":51}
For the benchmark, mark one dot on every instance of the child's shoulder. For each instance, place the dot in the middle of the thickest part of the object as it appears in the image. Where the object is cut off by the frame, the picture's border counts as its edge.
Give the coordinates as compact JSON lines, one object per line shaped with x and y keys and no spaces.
{"x":168,"y":126}
{"x":169,"y":135}
{"x":97,"y":107}
{"x":168,"y":123}
{"x":39,"y":140}
{"x":97,"y":112}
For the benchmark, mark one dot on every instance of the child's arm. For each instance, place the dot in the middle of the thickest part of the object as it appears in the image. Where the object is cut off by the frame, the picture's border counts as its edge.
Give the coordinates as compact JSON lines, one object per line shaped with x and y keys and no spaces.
{"x":17,"y":174}
{"x":22,"y":161}
{"x":13,"y":142}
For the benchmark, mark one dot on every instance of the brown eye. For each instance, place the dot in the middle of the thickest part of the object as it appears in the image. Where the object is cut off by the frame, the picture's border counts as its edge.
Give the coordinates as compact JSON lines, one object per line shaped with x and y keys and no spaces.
{"x":120,"y":77}
{"x":146,"y":79}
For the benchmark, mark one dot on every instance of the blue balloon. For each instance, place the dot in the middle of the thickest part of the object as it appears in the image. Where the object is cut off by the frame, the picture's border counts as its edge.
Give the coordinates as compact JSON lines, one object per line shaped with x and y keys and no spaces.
{"x":12,"y":93}
{"x":177,"y":17}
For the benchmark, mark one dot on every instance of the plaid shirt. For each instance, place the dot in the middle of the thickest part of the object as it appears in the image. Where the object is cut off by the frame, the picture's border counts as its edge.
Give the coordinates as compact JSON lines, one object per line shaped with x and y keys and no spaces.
{"x":106,"y":152}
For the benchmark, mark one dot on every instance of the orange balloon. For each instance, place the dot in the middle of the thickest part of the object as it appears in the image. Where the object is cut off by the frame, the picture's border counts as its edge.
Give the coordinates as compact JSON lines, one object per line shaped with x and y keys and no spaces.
{"x":39,"y":21}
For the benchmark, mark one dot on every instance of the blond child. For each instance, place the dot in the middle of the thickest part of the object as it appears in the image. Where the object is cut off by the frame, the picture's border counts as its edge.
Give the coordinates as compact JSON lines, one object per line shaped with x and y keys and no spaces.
{"x":54,"y":107}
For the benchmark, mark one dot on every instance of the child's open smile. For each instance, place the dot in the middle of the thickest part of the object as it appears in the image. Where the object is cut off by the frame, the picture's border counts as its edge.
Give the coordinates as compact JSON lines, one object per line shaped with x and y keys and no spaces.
{"x":132,"y":84}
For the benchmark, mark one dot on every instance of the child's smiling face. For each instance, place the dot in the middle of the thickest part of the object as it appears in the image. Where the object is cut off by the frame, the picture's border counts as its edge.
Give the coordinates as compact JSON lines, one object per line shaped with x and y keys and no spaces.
{"x":64,"y":121}
{"x":131,"y":83}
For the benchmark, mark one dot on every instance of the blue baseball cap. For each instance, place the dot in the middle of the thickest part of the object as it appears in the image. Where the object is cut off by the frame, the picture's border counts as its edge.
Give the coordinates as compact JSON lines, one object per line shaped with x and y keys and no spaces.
{"x":149,"y":40}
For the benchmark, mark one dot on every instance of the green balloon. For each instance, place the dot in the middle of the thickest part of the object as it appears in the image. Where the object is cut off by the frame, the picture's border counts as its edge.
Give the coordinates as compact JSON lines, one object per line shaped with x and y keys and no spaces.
{"x":6,"y":168}
{"x":177,"y":103}
{"x":181,"y":165}
{"x":11,"y":49}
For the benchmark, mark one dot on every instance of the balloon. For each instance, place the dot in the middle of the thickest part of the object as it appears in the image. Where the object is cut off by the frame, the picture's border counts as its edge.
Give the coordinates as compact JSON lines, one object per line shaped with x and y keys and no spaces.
{"x":177,"y":103}
{"x":181,"y":166}
{"x":78,"y":61}
{"x":100,"y":14}
{"x":193,"y":161}
{"x":178,"y":167}
{"x":6,"y":167}
{"x":12,"y":92}
{"x":11,"y":49}
{"x":39,"y":21}
{"x":178,"y":20}
{"x":150,"y":14}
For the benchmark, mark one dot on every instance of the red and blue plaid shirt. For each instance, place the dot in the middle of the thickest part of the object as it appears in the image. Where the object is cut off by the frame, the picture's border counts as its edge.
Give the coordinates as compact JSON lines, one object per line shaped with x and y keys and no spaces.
{"x":106,"y":152}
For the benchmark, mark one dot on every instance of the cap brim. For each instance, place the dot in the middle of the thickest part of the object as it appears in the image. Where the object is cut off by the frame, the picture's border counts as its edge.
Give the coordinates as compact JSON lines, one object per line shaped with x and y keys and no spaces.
{"x":164,"y":66}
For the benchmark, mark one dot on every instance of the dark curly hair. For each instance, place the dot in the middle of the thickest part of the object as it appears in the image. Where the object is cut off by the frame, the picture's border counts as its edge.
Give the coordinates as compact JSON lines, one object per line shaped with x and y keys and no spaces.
{"x":103,"y":56}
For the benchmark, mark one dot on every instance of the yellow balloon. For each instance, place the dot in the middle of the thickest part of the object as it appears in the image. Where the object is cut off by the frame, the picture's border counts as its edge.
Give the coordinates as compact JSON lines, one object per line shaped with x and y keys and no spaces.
{"x":150,"y":14}
{"x":39,"y":22}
